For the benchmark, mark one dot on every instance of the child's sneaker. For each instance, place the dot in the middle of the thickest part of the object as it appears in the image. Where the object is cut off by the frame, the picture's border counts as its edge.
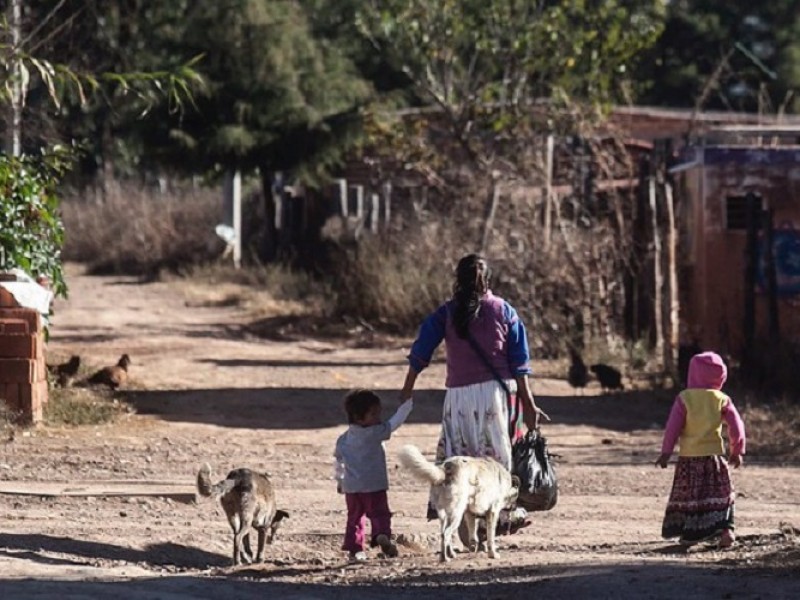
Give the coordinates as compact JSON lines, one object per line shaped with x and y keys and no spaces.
{"x":388,"y":547}
{"x":358,"y":557}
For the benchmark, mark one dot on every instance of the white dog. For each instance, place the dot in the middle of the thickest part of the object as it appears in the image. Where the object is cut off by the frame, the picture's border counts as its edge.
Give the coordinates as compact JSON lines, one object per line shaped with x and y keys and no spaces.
{"x":464,"y":487}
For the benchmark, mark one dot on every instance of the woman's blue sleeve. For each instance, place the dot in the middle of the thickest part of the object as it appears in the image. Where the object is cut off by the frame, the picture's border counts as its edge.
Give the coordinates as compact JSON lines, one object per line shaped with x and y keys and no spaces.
{"x":431,"y":334}
{"x":518,"y":352}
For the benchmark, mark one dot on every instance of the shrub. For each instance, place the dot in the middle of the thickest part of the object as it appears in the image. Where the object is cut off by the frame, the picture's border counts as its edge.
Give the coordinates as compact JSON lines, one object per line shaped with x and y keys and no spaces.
{"x":83,"y":406}
{"x":392,"y":283}
{"x":31,"y":232}
{"x":140,"y":232}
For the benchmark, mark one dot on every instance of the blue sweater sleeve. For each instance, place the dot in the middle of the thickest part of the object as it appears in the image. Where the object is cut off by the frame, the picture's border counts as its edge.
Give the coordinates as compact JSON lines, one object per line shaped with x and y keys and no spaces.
{"x":518,"y":352}
{"x":431,"y":334}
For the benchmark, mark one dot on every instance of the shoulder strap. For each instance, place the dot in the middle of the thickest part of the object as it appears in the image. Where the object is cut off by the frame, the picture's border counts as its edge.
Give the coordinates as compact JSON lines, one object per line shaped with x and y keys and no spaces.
{"x":488,"y":364}
{"x":511,"y":414}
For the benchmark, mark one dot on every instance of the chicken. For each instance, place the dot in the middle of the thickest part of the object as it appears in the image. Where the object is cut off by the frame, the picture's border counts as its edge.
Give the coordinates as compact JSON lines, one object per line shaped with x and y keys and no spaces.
{"x":578,"y":374}
{"x":64,"y":373}
{"x":114,"y":376}
{"x":609,"y":377}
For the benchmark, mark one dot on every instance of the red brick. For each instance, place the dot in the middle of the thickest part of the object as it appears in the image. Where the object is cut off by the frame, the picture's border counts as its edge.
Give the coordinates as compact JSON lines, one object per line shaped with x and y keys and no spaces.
{"x":29,"y":315}
{"x":7,"y":299}
{"x":40,"y":370}
{"x":32,"y":398}
{"x":10,"y":393}
{"x":14,"y":326}
{"x":15,"y":345}
{"x":18,"y":370}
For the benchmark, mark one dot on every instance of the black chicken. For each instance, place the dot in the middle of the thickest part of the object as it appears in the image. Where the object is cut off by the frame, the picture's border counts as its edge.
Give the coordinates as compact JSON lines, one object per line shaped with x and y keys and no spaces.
{"x":609,"y":377}
{"x":65,"y":372}
{"x":578,"y":374}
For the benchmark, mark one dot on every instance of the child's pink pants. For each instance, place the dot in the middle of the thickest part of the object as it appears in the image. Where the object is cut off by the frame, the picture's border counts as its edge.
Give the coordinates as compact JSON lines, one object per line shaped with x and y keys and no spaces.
{"x":373,"y":505}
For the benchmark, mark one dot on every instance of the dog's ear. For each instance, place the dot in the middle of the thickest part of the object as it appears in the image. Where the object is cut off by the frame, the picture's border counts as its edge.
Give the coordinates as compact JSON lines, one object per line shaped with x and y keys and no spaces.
{"x":515,"y":481}
{"x":280,"y":515}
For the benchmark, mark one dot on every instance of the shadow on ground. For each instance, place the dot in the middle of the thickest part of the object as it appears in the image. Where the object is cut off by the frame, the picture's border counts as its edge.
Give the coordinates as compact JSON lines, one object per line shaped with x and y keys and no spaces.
{"x":160,"y":555}
{"x":624,"y":582}
{"x":310,"y":408}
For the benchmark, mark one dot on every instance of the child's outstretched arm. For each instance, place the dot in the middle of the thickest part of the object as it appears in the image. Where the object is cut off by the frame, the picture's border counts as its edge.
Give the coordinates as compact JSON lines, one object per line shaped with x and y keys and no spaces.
{"x":737,"y":440}
{"x":672,"y":431}
{"x":400,"y":416}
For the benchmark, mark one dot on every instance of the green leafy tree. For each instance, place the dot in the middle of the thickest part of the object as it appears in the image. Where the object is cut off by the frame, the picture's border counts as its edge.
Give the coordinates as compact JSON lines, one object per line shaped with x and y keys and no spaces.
{"x":278,"y":98}
{"x":118,"y":60}
{"x":31,"y":232}
{"x":725,"y":55}
{"x":501,"y":72}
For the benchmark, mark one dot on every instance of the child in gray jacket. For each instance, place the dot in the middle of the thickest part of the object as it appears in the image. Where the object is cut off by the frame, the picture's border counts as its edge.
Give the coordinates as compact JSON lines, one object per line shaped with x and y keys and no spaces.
{"x":361,"y":471}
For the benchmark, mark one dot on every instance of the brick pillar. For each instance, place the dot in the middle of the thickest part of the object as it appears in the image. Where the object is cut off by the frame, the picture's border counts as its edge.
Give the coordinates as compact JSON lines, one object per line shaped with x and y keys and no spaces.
{"x":23,"y":372}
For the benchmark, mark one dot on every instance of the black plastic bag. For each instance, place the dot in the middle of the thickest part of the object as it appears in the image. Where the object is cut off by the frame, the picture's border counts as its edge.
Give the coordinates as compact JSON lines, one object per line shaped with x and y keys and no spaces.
{"x":533,"y":464}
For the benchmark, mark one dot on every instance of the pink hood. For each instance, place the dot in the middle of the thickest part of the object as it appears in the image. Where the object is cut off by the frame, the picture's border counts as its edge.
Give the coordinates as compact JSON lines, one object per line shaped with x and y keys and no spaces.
{"x":707,"y":371}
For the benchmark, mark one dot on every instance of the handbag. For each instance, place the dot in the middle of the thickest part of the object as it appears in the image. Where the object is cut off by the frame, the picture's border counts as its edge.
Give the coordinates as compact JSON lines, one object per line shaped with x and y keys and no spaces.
{"x":531,"y":461}
{"x":533,"y":464}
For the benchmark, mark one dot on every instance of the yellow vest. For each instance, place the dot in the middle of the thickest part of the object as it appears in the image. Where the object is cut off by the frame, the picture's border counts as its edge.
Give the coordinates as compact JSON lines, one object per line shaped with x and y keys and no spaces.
{"x":702,"y":432}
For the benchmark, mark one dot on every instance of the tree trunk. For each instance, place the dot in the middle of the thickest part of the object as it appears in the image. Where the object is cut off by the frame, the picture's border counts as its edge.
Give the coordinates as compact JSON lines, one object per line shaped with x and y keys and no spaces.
{"x":494,"y":200}
{"x":269,"y":241}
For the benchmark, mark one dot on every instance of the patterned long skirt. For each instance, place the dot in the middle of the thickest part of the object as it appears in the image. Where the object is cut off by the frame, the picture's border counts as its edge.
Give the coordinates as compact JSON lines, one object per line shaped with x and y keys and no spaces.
{"x":700,"y":504}
{"x":475,"y":422}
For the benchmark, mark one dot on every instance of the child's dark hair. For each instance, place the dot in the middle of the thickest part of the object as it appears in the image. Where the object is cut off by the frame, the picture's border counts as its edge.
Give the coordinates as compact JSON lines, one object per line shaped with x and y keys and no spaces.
{"x":358,"y":403}
{"x":472,"y":281}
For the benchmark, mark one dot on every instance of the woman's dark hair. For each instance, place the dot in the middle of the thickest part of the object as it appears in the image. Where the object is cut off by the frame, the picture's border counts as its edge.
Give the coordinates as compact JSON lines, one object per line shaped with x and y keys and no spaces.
{"x":472,"y":282}
{"x":358,"y":403}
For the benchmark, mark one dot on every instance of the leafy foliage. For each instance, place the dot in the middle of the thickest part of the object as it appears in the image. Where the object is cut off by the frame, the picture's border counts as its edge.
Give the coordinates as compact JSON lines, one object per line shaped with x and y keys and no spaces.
{"x":31,"y":232}
{"x":725,"y":55}
{"x":278,"y":98}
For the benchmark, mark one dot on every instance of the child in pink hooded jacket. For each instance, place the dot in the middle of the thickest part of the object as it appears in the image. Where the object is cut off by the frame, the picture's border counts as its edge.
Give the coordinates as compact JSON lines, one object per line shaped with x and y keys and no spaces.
{"x":700,"y":505}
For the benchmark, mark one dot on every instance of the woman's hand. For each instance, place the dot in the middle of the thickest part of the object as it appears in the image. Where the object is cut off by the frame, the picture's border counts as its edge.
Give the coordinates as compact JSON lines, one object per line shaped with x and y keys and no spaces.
{"x":532,"y":417}
{"x":531,"y":414}
{"x":735,"y":460}
{"x":662,"y":461}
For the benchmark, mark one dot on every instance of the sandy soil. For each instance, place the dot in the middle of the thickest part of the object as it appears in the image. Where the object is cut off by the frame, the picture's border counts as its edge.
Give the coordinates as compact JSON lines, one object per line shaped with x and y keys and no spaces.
{"x":208,"y":391}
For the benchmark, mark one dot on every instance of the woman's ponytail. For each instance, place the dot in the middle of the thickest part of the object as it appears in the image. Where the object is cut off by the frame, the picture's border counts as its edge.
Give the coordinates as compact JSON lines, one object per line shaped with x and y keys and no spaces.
{"x":472,"y":282}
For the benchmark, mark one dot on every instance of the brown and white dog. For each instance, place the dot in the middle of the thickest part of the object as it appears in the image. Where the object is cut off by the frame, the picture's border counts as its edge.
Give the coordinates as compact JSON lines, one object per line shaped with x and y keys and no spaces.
{"x":249,"y":501}
{"x":464,"y":487}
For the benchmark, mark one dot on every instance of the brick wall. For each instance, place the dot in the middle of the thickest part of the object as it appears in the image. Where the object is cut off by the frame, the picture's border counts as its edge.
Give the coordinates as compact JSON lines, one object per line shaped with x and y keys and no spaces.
{"x":23,"y":372}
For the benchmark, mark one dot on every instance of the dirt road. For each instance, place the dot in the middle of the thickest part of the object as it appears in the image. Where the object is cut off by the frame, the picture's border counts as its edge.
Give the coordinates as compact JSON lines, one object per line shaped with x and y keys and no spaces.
{"x":206,"y":391}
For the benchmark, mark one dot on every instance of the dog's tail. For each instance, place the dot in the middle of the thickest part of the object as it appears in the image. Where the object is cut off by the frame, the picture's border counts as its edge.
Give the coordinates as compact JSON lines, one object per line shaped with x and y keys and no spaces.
{"x":207,"y":489}
{"x":412,"y":459}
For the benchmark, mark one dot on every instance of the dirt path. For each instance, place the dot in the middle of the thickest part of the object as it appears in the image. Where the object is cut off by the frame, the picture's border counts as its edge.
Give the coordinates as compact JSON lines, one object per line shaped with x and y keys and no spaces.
{"x":207,"y":392}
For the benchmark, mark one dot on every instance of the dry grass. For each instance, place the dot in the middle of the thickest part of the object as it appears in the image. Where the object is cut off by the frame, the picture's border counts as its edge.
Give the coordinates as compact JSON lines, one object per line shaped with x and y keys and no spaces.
{"x":79,"y":406}
{"x":392,"y":284}
{"x":222,"y":285}
{"x":773,"y":431}
{"x":138,"y":231}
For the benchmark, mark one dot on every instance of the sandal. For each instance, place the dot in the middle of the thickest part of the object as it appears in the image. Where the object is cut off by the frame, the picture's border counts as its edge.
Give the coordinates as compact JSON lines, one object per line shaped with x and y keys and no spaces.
{"x":726,"y":539}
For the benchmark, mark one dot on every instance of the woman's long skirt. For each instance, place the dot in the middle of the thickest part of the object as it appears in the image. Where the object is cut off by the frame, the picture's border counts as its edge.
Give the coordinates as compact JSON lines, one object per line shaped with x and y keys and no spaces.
{"x":475,"y":422}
